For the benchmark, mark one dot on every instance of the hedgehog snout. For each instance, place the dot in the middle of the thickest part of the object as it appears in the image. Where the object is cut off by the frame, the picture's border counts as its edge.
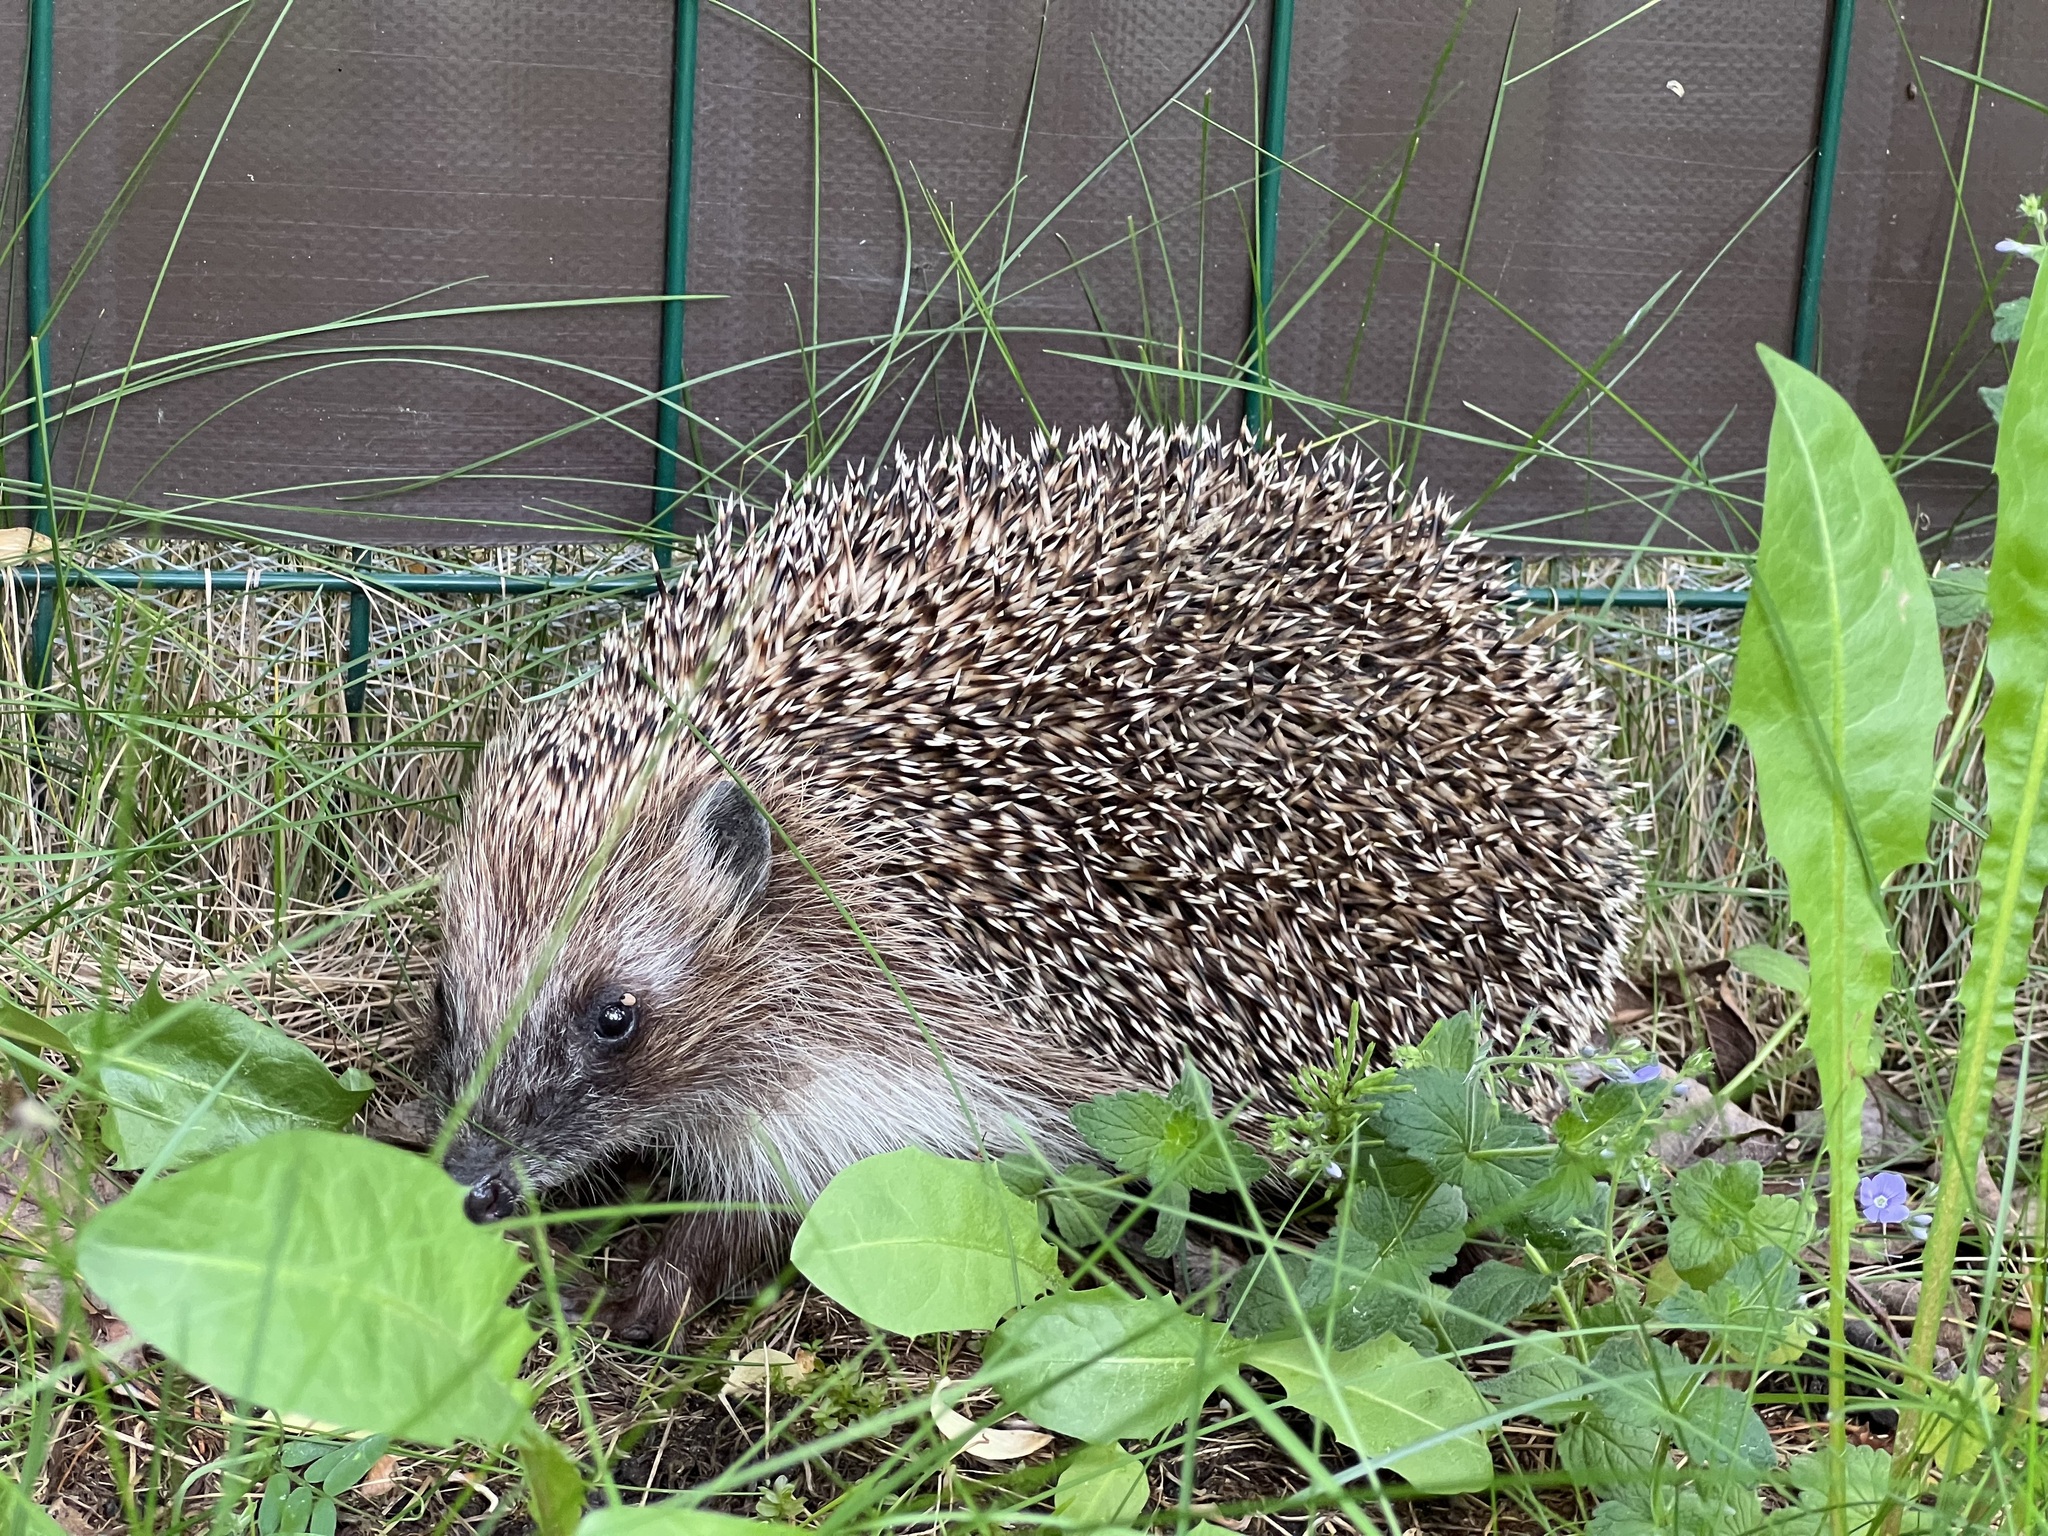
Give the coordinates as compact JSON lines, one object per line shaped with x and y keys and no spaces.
{"x":482,"y":1162}
{"x":491,"y":1198}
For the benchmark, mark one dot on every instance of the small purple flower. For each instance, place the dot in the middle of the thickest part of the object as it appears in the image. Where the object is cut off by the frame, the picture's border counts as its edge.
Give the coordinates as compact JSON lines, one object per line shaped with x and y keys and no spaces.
{"x":1883,"y":1198}
{"x":1619,"y":1071}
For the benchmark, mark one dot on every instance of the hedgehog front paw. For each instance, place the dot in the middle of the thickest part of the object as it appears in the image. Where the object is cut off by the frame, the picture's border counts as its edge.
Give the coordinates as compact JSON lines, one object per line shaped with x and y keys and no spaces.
{"x":652,"y":1308}
{"x":701,"y":1257}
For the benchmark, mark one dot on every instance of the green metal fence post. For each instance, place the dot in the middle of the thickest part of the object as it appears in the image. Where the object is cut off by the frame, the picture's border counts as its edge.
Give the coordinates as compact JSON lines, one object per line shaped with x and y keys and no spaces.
{"x":355,"y":677}
{"x":1820,"y":201}
{"x":1272,"y":150}
{"x":675,"y":273}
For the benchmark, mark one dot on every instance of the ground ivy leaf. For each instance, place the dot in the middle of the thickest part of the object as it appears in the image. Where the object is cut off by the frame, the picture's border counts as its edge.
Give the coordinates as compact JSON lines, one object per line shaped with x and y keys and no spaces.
{"x":1955,"y":1419}
{"x":915,"y":1243}
{"x":1170,"y":1220}
{"x":1102,"y":1365}
{"x":1260,"y":1301}
{"x":1675,"y":1509}
{"x":1126,"y":1128}
{"x":1867,"y":1482}
{"x":1371,"y":1274}
{"x":1723,"y":1438}
{"x":1545,"y":1382}
{"x":1451,"y":1044}
{"x":1172,"y":1140}
{"x":183,"y":1081}
{"x":1454,"y":1126}
{"x":1416,"y":1417}
{"x":1753,"y":1312}
{"x":1719,"y":1213}
{"x":1083,"y":1199}
{"x":1602,"y":1449}
{"x":1482,"y":1304}
{"x":324,"y":1276}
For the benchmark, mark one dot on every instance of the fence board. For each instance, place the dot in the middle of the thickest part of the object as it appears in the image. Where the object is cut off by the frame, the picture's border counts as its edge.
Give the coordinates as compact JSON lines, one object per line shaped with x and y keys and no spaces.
{"x":381,"y":150}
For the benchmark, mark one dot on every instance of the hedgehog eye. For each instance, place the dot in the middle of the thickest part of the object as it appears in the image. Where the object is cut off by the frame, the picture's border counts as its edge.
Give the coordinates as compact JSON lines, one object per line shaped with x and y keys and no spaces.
{"x":615,"y":1019}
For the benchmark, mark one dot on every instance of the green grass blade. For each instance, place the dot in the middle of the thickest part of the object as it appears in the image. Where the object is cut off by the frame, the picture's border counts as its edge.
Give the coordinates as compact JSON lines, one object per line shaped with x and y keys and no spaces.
{"x":2014,"y":866}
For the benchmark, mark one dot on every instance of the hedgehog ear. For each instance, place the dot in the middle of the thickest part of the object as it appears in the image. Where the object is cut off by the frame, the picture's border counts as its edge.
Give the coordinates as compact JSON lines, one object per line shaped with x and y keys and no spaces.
{"x":730,"y":843}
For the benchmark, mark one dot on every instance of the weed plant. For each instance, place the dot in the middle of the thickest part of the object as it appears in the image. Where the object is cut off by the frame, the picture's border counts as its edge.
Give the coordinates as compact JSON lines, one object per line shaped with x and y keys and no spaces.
{"x":1703,"y":1301}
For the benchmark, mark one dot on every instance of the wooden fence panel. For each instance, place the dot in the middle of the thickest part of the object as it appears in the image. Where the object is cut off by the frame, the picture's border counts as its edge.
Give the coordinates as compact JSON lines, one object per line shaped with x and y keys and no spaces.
{"x":1647,"y":165}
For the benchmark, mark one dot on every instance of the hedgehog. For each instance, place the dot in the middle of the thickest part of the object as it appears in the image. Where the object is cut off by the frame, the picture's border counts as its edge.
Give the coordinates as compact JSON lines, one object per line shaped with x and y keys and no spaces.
{"x":952,"y":794}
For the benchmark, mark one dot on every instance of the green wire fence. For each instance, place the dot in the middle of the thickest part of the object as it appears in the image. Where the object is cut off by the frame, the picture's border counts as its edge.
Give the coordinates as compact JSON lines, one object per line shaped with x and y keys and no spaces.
{"x":360,"y":585}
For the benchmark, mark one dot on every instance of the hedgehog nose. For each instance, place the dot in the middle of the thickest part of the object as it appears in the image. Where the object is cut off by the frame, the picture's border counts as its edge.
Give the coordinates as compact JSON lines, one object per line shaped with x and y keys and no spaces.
{"x":490,"y":1198}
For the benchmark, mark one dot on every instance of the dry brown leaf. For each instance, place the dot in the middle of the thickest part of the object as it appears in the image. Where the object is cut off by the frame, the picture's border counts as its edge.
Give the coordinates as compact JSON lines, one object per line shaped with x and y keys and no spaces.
{"x":766,"y":1368}
{"x":382,"y":1485}
{"x":20,"y":545}
{"x":990,"y":1445}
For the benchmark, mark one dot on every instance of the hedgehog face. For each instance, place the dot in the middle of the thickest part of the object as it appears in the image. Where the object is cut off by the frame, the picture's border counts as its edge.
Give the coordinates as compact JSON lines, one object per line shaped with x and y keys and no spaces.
{"x":618,"y":1008}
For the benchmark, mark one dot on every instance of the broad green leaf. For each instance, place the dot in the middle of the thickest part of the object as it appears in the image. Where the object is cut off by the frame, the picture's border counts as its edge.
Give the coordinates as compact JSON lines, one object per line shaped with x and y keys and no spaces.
{"x":1786,"y":972}
{"x":1452,"y":1044}
{"x":1455,"y":1127}
{"x":1642,"y":1384}
{"x":1084,"y":1200}
{"x":2013,"y":867}
{"x":1175,"y":1141}
{"x":1839,"y":688}
{"x":1956,"y":1422}
{"x":671,"y":1517}
{"x":1482,"y":1304}
{"x":1676,"y":1509}
{"x":1722,"y":1437}
{"x":183,"y":1081}
{"x":1754,"y":1312}
{"x":1271,"y":1295}
{"x":1545,"y":1382}
{"x":324,"y":1276}
{"x":1416,"y":1417}
{"x":1719,"y":1214}
{"x":1599,"y":1137}
{"x":554,"y":1483}
{"x":1100,"y":1365}
{"x":1101,"y":1485}
{"x":1369,"y":1276}
{"x":25,"y":1028}
{"x":21,"y":1515}
{"x":340,"y":1469}
{"x":1958,"y":595}
{"x":915,"y":1243}
{"x":1866,"y":1484}
{"x":1603,"y":1449}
